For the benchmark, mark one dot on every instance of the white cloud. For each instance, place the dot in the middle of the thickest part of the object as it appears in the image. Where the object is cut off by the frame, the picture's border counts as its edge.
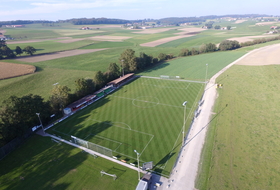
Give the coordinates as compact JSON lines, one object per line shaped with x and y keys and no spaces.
{"x":28,"y":7}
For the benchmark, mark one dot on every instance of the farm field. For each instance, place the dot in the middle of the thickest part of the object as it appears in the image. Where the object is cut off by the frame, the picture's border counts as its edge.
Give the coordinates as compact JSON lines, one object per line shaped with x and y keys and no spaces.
{"x":242,"y":145}
{"x":109,"y":112}
{"x":8,"y":70}
{"x":138,"y":117}
{"x":43,"y":164}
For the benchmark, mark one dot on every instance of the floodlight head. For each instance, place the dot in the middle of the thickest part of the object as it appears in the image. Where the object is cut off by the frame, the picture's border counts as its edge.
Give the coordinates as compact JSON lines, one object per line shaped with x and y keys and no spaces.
{"x":185,"y":102}
{"x":136,"y":151}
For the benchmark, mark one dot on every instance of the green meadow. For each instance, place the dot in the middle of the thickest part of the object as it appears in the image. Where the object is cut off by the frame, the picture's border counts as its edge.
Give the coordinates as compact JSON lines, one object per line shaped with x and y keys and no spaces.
{"x":41,"y":163}
{"x":241,"y":150}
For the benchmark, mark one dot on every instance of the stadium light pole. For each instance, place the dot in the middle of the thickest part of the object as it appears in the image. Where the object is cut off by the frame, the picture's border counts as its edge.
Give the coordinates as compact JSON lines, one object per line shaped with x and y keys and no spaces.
{"x":38,"y":114}
{"x":122,"y":68}
{"x":184,"y":104}
{"x":206,"y":74}
{"x":138,"y":164}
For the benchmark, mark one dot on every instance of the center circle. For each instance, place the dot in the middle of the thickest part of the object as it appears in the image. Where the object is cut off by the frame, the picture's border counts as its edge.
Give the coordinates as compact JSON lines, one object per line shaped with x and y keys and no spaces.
{"x":145,"y":101}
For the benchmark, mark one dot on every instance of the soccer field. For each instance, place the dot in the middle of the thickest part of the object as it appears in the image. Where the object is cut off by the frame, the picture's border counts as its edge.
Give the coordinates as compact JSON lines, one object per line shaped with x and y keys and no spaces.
{"x":145,"y":115}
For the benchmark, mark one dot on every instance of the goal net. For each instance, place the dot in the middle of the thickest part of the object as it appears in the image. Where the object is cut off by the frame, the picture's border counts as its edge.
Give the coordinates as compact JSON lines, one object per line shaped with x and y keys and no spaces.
{"x":92,"y":146}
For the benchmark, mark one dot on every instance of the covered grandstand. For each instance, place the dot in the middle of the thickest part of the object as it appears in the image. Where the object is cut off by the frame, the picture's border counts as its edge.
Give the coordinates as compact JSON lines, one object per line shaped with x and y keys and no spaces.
{"x":122,"y":80}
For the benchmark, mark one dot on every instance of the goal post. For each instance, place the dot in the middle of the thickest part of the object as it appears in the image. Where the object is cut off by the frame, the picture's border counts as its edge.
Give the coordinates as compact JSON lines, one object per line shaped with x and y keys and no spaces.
{"x":95,"y":147}
{"x":112,"y":175}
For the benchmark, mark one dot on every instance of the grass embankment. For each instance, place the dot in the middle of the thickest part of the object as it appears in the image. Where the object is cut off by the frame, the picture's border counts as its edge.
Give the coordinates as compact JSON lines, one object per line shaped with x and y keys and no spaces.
{"x":43,"y":164}
{"x":242,"y":145}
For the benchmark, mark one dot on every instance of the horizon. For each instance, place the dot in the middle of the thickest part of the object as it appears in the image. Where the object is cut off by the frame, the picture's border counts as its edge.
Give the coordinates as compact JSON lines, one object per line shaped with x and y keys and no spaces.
{"x":54,"y":10}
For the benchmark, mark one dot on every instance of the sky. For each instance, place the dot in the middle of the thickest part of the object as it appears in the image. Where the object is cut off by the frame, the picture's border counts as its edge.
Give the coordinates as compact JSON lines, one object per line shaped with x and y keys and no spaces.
{"x":130,"y":9}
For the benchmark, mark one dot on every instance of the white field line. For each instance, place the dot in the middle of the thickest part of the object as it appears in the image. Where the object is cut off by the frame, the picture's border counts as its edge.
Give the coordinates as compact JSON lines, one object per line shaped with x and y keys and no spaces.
{"x":161,"y":86}
{"x":181,"y":80}
{"x":133,"y":99}
{"x":147,"y":145}
{"x":117,"y":147}
{"x":191,"y":111}
{"x":104,"y":138}
{"x":188,"y":86}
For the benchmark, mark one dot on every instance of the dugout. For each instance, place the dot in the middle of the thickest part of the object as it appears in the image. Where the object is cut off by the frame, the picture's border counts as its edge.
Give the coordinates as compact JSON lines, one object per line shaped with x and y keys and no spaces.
{"x":119,"y":81}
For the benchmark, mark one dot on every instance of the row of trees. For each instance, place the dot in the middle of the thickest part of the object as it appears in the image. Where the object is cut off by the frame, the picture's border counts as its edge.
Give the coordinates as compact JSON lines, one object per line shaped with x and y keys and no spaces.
{"x":18,"y":114}
{"x":204,"y":48}
{"x":6,"y":52}
{"x":223,"y":46}
{"x":84,"y":21}
{"x":259,"y":41}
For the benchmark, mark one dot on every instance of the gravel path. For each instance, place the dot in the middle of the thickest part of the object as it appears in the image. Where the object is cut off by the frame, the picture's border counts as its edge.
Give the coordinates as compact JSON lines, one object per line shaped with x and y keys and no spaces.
{"x":184,"y":173}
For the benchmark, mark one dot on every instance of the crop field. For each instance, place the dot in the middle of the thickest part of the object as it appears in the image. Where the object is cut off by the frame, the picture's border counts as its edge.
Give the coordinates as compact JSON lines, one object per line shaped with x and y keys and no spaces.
{"x":43,"y":164}
{"x":145,"y":115}
{"x":9,"y":70}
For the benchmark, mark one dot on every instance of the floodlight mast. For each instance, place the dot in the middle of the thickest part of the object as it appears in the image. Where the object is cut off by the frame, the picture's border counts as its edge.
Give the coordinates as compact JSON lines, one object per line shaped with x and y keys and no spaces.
{"x":38,"y":114}
{"x":122,"y":68}
{"x":138,"y":164}
{"x":206,"y":75}
{"x":183,"y":138}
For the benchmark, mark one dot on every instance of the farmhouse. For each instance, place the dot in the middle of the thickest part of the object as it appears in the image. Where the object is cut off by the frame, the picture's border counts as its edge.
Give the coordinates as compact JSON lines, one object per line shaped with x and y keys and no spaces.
{"x":14,"y":26}
{"x":2,"y":37}
{"x":86,"y":28}
{"x":273,"y":27}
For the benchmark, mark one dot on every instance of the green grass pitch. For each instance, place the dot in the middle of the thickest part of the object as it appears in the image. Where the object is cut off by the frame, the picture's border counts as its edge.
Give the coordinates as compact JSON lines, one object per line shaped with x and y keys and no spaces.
{"x":145,"y":115}
{"x":43,"y":164}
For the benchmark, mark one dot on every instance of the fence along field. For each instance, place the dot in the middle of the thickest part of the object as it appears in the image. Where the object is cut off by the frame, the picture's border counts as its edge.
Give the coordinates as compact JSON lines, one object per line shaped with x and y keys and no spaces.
{"x":145,"y":115}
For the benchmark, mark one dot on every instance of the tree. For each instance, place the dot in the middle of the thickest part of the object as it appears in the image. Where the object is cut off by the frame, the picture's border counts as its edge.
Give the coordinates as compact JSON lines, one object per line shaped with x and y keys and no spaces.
{"x":184,"y":52}
{"x":29,"y":50}
{"x":128,"y":61}
{"x":2,"y":43}
{"x":202,"y":48}
{"x":228,"y":27}
{"x":229,"y":45}
{"x":17,"y":115}
{"x":84,"y":87}
{"x":211,"y":47}
{"x":6,"y":51}
{"x":113,"y":71}
{"x":209,"y":25}
{"x":60,"y":97}
{"x":162,"y":56}
{"x":18,"y":50}
{"x":217,"y":27}
{"x":99,"y":79}
{"x":194,"y":51}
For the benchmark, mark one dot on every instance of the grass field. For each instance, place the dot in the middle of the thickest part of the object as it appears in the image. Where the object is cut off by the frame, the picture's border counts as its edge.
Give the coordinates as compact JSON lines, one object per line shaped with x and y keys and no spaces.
{"x":43,"y":164}
{"x":225,"y":169}
{"x":242,"y":146}
{"x":146,"y":115}
{"x":194,"y":67}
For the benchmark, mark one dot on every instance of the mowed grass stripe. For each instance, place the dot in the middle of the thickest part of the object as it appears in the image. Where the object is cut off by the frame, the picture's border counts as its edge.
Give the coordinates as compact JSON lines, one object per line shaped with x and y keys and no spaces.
{"x":153,"y":113}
